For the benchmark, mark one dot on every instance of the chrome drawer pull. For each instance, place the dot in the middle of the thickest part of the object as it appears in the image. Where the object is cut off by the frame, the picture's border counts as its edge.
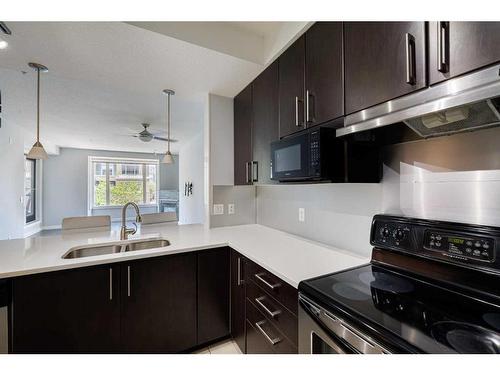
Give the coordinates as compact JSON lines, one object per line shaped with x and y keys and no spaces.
{"x":272,"y":286}
{"x":110,"y":284}
{"x":266,"y":309}
{"x":272,"y":341}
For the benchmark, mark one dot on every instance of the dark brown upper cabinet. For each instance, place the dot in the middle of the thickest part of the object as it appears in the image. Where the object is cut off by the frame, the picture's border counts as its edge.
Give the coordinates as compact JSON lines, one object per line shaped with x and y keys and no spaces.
{"x":383,"y":60}
{"x":324,"y":96}
{"x":265,"y":123}
{"x":243,"y":137}
{"x":311,"y":79}
{"x":456,"y":48}
{"x":291,"y":88}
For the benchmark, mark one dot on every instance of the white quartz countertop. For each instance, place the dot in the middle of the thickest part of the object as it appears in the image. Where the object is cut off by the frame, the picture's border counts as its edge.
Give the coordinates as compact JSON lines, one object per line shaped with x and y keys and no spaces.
{"x":289,"y":257}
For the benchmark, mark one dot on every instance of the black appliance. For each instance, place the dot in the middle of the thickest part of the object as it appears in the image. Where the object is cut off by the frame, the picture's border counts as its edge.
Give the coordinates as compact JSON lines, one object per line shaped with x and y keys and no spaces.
{"x":431,"y":287}
{"x":317,"y":155}
{"x":311,"y":155}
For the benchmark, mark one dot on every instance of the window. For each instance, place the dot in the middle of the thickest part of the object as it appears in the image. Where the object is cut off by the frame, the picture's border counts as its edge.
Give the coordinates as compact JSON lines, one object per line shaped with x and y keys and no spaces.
{"x":118,"y":181}
{"x":30,"y":189}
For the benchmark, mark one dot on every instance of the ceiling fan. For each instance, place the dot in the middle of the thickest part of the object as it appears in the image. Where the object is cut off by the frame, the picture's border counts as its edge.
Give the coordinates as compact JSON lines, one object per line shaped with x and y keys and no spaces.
{"x":147,"y":136}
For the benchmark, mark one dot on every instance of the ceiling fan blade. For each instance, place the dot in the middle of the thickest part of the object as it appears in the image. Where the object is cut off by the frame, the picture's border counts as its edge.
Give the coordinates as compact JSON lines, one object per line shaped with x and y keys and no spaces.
{"x":164,"y":139}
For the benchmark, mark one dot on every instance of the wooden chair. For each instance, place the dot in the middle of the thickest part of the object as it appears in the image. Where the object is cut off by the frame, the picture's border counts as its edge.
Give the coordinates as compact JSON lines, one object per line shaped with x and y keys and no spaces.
{"x":161,"y":217}
{"x":84,"y":222}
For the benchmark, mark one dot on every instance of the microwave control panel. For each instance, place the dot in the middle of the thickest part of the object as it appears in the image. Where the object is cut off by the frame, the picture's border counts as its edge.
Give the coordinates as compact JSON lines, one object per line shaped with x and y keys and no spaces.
{"x":315,"y":154}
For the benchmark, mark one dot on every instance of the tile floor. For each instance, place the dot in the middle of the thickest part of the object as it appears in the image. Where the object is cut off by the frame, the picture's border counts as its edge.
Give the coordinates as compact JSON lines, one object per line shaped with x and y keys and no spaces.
{"x":223,"y":347}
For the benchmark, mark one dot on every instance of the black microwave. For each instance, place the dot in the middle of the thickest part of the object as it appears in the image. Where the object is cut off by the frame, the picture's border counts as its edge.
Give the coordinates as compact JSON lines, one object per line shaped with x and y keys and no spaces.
{"x":313,"y":155}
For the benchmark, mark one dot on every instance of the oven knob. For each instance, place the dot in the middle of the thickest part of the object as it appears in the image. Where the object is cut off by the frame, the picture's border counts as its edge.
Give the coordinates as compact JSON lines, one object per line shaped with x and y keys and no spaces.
{"x":477,"y":244}
{"x":385,"y":232}
{"x":399,"y":234}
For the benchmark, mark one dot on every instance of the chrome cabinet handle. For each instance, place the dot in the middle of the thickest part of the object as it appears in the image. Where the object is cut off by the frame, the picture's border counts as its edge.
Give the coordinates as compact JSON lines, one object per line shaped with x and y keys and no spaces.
{"x":308,"y":120}
{"x":266,"y":309}
{"x":410,"y":59}
{"x":259,"y":327}
{"x":443,"y":33}
{"x":246,"y":169}
{"x":272,"y":286}
{"x":248,"y":172}
{"x":128,"y":281}
{"x":297,"y":123}
{"x":240,"y":282}
{"x":255,"y":171}
{"x":110,"y":284}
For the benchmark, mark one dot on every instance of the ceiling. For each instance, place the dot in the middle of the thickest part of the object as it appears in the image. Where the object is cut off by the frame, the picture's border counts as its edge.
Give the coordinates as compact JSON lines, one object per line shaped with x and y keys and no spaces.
{"x":106,"y":78}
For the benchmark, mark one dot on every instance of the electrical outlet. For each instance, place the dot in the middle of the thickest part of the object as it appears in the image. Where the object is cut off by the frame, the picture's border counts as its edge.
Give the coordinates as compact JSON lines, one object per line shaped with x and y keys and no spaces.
{"x":230,"y":208}
{"x":302,"y":215}
{"x":218,"y":209}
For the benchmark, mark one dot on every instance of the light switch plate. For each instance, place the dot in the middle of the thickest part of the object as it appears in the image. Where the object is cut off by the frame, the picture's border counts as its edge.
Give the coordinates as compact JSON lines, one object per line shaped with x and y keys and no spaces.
{"x":218,"y":209}
{"x":302,"y":215}
{"x":230,"y":208}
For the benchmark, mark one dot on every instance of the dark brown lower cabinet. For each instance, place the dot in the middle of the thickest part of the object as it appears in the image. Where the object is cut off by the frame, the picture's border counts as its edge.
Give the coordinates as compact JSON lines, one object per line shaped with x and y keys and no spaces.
{"x":238,"y":299}
{"x":213,"y":294}
{"x":256,"y":343}
{"x":159,"y":304}
{"x":74,"y":311}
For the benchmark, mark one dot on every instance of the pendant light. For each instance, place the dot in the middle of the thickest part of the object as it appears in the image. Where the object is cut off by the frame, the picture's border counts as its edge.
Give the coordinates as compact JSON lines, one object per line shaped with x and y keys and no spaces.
{"x":37,"y":151}
{"x":168,"y":158}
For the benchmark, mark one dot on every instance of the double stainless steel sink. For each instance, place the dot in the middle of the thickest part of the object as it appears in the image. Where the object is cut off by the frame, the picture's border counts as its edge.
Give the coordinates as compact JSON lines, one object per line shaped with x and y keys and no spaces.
{"x":113,"y":248}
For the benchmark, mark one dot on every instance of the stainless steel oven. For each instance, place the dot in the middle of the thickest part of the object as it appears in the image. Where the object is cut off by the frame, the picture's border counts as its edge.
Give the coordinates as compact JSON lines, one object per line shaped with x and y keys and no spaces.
{"x":321,"y":332}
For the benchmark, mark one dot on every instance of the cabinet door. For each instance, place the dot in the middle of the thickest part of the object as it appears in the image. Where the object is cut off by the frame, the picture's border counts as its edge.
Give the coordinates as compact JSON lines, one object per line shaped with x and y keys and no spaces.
{"x":74,"y":311}
{"x":265,"y":126}
{"x":291,"y":88}
{"x":213,"y":294}
{"x":456,"y":48}
{"x":243,"y":137}
{"x":159,"y":304}
{"x":238,"y":300}
{"x":324,"y":73}
{"x":383,"y":60}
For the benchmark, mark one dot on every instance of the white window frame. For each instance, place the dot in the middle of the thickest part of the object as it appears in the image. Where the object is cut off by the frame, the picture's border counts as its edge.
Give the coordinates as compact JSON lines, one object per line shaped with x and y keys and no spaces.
{"x":102,"y":159}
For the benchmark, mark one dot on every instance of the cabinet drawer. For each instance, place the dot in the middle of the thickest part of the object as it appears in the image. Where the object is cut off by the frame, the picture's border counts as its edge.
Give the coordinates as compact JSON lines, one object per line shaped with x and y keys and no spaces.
{"x":277,"y":288}
{"x":274,"y":311}
{"x":262,"y":335}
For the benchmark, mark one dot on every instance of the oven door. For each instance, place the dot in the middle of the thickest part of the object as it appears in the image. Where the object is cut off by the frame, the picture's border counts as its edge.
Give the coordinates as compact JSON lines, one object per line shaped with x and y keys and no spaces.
{"x":321,"y":332}
{"x":290,"y":158}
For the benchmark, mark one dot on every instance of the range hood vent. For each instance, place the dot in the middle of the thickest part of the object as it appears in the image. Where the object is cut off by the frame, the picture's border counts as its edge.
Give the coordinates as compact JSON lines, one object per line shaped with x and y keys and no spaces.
{"x":466,"y":103}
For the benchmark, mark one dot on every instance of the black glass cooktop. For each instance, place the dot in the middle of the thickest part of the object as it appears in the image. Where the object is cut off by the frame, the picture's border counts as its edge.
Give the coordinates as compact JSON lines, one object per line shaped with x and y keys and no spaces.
{"x":431,"y":318}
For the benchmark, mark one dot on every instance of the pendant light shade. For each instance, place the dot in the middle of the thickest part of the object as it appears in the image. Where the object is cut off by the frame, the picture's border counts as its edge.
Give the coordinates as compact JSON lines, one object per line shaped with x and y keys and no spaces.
{"x":37,"y":151}
{"x":168,"y":158}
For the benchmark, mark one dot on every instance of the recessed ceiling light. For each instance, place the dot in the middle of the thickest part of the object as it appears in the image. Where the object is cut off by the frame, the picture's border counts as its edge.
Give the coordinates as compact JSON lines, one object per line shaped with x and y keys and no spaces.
{"x":3,"y":44}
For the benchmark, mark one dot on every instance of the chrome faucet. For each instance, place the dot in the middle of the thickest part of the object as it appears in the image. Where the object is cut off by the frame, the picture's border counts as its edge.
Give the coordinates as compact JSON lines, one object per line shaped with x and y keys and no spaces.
{"x":126,"y":231}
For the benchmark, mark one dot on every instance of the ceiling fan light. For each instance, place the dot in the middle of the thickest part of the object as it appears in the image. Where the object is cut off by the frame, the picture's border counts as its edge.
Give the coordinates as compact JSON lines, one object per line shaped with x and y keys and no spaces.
{"x":37,"y":152}
{"x":168,"y":158}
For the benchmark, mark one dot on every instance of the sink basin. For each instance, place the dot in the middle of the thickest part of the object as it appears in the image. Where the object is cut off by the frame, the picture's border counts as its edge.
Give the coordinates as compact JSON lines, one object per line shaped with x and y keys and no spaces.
{"x":94,"y":250}
{"x":89,"y":251}
{"x":146,"y":244}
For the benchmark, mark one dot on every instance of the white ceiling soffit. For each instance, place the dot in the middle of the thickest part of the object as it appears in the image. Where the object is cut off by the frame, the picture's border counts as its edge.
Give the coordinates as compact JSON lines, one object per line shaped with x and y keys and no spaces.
{"x":258,"y":42}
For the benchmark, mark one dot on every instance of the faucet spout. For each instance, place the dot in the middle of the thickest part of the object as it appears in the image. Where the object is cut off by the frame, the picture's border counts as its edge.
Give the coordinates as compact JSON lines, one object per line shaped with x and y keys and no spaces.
{"x":124,"y":232}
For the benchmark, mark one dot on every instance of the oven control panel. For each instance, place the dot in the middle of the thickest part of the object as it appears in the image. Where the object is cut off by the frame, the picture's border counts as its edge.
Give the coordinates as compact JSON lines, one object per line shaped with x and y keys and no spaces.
{"x":393,"y":235}
{"x":458,"y":246}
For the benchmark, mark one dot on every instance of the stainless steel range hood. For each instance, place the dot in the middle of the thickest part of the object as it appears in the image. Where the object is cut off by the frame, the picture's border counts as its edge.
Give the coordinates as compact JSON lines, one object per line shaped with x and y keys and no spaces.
{"x":460,"y":104}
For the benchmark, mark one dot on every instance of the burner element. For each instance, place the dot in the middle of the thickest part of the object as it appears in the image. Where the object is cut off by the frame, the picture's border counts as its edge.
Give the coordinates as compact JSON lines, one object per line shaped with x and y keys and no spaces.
{"x":351,"y":291}
{"x":386,"y":282}
{"x":467,"y":338}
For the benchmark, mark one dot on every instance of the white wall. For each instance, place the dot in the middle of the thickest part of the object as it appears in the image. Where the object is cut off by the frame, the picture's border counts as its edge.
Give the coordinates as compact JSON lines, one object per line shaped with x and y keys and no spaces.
{"x":12,"y":180}
{"x":221,"y":133}
{"x":65,"y":185}
{"x":191,"y":169}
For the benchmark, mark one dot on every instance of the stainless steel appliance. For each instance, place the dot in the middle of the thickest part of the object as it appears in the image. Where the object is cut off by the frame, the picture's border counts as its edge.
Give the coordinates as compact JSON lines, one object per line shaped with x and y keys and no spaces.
{"x":460,"y":104}
{"x":311,"y":155}
{"x":431,"y":287}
